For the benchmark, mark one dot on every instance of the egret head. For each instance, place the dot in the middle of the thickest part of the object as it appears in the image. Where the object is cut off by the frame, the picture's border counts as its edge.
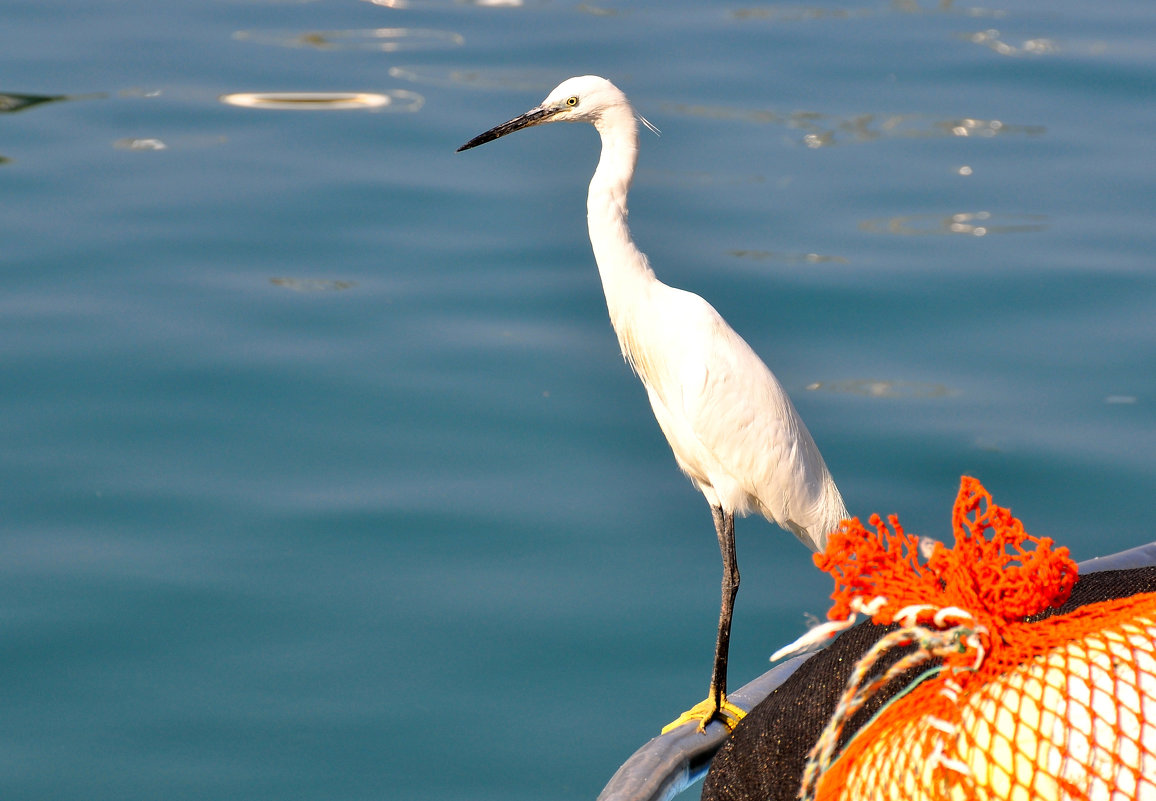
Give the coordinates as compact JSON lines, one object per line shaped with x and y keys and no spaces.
{"x":585,"y":99}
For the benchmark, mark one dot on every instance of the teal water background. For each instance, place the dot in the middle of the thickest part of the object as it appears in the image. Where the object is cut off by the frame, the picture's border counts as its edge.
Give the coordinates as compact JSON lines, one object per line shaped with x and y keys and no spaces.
{"x":322,"y":477}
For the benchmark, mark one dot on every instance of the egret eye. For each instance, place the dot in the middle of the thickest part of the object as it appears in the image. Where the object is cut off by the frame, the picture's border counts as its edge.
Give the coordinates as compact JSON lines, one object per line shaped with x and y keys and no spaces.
{"x":572,"y":101}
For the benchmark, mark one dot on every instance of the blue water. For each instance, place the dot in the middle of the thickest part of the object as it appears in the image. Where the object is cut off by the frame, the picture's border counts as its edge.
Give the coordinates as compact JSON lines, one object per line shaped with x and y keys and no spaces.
{"x":322,"y":476}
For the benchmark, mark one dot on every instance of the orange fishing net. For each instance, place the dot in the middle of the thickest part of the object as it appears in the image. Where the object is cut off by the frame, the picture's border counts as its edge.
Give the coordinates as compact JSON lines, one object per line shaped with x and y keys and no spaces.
{"x":1059,"y":707}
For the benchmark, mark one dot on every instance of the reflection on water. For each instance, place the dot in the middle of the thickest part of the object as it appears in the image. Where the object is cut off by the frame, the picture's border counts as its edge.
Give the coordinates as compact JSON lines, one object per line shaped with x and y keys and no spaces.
{"x":138,"y":92}
{"x":312,"y":284}
{"x":1029,"y":47}
{"x":388,"y":40}
{"x":789,"y":258}
{"x":973,"y":127}
{"x":807,"y":13}
{"x":942,"y":7}
{"x":824,"y":130}
{"x":980,"y":223}
{"x":876,"y":388}
{"x":397,"y":100}
{"x":11,"y":102}
{"x":139,"y":144}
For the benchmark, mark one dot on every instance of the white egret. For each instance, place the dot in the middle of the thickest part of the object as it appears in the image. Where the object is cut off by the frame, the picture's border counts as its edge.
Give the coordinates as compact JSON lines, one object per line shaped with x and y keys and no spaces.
{"x":729,"y":421}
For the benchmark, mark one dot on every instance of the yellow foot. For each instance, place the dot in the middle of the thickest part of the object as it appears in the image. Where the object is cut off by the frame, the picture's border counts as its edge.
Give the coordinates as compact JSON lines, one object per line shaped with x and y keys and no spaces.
{"x":705,"y":711}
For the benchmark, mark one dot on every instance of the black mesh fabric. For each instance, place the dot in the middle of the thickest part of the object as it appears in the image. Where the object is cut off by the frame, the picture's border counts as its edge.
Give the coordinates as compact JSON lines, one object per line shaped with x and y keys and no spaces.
{"x":764,"y":758}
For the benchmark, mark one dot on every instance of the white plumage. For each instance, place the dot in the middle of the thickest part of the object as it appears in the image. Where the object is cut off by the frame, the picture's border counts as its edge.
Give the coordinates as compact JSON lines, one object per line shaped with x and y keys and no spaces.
{"x":730,"y":423}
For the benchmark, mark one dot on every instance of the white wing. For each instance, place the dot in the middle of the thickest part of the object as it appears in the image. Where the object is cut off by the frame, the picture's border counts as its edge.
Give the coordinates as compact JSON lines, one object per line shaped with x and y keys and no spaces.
{"x":731,"y":425}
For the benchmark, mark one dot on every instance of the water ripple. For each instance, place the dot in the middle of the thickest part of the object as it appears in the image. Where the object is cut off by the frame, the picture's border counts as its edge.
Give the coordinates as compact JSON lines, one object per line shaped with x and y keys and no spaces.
{"x":979,"y":223}
{"x":807,"y":13}
{"x":789,"y":258}
{"x":880,"y":388}
{"x":824,"y":130}
{"x":1028,"y":47}
{"x":388,"y":40}
{"x":131,"y":143}
{"x":312,"y":284}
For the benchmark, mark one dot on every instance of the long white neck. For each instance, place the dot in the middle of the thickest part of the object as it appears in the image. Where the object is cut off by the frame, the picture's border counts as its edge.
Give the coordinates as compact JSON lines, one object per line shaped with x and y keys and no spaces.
{"x":623,"y":267}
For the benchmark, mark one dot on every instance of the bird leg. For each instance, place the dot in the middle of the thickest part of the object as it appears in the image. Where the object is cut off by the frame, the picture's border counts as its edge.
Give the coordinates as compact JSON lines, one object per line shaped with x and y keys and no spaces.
{"x":716,"y":705}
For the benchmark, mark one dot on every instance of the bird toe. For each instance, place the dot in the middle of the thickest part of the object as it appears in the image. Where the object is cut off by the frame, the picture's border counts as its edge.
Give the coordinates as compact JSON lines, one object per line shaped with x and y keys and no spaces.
{"x":705,"y":711}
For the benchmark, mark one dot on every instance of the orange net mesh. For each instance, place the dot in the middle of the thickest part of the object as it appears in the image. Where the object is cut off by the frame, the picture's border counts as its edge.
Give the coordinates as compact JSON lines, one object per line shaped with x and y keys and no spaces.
{"x":1060,"y":708}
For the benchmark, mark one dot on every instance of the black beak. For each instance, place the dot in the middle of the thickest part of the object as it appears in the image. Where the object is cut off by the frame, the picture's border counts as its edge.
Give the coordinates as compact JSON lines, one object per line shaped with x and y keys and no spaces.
{"x":531,"y":117}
